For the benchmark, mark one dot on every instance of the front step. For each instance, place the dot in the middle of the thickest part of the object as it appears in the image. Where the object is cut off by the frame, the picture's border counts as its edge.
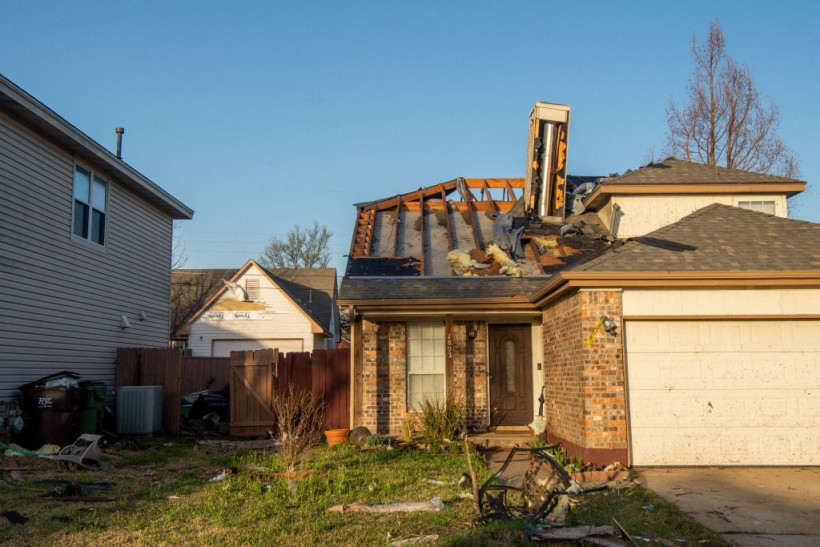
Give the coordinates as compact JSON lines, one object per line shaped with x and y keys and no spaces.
{"x":501,"y":441}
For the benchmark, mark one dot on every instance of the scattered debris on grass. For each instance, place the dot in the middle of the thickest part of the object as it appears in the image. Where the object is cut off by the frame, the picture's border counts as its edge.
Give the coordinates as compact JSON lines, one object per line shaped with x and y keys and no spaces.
{"x":575,"y":533}
{"x":434,"y":504}
{"x":415,"y":540}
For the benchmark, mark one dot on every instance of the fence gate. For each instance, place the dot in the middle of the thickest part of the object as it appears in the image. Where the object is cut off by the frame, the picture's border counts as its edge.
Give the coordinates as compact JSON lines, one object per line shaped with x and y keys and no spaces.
{"x":252,"y":390}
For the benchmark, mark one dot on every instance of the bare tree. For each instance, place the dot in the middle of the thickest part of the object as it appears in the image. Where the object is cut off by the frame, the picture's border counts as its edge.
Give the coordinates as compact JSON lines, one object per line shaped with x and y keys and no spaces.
{"x":724,"y":121}
{"x":302,"y":247}
{"x":179,"y":256}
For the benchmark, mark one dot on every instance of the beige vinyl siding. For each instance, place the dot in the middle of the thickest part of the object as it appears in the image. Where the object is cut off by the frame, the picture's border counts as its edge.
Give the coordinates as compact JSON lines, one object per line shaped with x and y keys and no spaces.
{"x":62,"y":297}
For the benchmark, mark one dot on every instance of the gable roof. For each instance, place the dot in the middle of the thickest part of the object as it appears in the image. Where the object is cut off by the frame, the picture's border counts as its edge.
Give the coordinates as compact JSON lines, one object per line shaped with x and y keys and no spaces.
{"x":718,"y":244}
{"x":28,"y":109}
{"x":717,"y":238}
{"x":675,"y":176}
{"x":312,"y":290}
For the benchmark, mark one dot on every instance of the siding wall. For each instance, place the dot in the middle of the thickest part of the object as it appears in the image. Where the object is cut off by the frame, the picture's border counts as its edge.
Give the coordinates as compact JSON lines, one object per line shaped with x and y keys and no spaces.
{"x":280,"y":319}
{"x":61,"y":297}
{"x":640,"y":215}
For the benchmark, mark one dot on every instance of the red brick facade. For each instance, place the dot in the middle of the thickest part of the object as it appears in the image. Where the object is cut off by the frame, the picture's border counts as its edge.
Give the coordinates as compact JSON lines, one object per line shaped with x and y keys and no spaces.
{"x":585,"y":387}
{"x":383,"y":400}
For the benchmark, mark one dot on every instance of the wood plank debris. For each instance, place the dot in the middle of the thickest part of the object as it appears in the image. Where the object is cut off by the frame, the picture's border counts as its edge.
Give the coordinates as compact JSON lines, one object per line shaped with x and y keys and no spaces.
{"x":434,"y":505}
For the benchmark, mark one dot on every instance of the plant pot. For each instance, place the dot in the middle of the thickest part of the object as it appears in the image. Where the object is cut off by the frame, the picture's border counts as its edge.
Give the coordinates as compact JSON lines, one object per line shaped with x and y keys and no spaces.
{"x":336,"y":436}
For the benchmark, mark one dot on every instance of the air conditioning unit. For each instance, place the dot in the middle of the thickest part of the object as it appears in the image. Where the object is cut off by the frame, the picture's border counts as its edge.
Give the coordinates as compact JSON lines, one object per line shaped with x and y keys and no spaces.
{"x":139,"y":410}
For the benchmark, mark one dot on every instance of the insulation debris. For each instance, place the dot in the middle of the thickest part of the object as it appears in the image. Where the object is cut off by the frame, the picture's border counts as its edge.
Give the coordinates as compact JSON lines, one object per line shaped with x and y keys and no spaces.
{"x":508,"y":265}
{"x":544,"y":244}
{"x":463,"y":264}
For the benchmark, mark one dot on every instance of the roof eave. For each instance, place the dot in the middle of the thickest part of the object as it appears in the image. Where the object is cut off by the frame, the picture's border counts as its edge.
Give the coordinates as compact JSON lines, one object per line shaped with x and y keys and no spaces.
{"x":567,"y":282}
{"x":603,"y":192}
{"x":30,"y":110}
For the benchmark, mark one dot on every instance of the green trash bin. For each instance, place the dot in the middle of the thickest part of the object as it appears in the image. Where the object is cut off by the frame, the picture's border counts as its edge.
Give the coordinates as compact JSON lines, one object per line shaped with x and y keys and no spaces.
{"x":92,"y":406}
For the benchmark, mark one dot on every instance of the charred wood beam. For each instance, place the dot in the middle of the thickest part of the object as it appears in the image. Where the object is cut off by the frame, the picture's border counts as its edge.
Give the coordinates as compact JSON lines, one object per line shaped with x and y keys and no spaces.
{"x":447,"y":220}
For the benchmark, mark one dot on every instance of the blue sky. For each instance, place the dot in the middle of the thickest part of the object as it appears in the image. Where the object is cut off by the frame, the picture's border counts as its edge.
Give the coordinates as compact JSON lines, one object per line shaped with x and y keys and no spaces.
{"x":260,"y":115}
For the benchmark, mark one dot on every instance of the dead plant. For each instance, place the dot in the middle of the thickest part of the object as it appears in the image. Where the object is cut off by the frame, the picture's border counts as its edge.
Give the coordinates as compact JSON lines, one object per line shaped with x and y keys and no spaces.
{"x":299,"y":415}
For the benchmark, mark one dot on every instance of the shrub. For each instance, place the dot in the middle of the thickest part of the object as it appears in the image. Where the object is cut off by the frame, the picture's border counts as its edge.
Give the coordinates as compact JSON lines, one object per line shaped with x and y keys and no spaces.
{"x":299,"y":416}
{"x":441,"y":422}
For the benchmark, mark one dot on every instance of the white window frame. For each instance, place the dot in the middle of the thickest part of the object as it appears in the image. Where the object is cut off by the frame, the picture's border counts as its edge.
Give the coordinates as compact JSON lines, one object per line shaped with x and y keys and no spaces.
{"x":426,"y":356}
{"x":758,"y":205}
{"x":90,"y":206}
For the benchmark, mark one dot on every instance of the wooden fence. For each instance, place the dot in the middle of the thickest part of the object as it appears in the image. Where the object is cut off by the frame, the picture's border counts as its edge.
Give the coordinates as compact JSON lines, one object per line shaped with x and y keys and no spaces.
{"x":254,"y":378}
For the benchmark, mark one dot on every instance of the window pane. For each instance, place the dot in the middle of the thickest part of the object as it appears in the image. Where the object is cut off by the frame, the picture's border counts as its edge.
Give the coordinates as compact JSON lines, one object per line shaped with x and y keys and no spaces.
{"x":80,"y":219}
{"x":425,"y":363}
{"x":97,"y":226}
{"x":82,"y":182}
{"x":98,"y":191}
{"x":509,"y":365}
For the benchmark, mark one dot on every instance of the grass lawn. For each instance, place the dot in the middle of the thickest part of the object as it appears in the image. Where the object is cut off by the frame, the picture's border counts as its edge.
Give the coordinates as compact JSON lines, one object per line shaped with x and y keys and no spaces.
{"x":162,"y":495}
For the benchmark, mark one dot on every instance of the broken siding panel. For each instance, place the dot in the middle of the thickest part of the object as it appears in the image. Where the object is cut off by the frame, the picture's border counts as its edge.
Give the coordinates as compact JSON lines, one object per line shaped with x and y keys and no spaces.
{"x":62,"y":300}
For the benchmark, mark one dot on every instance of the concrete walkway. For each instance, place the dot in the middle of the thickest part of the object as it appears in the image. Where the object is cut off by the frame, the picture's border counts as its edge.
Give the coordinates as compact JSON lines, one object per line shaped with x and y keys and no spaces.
{"x":747,"y":506}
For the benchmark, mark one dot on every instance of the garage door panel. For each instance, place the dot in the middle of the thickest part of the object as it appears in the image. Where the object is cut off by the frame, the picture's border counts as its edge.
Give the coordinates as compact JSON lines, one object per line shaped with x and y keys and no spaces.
{"x":712,"y":408}
{"x":703,"y":370}
{"x":701,"y":446}
{"x":745,"y":390}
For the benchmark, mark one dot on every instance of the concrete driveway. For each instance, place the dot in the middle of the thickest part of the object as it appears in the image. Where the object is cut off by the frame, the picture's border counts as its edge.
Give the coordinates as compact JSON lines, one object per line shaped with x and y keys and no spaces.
{"x":748,"y":506}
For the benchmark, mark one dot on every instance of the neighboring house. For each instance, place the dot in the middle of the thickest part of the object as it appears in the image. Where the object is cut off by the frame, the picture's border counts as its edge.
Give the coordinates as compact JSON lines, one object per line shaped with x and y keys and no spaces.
{"x":85,"y":249}
{"x":713,"y":339}
{"x":220,"y":311}
{"x":658,"y":194}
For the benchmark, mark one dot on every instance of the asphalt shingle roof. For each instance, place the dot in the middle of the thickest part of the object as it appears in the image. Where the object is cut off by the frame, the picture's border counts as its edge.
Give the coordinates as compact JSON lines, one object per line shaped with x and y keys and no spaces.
{"x":673,"y":170}
{"x":717,"y":238}
{"x":408,"y":288}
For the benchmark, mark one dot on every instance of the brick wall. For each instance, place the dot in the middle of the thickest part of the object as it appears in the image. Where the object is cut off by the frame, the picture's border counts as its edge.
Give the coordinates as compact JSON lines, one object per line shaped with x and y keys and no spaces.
{"x":383,"y":402}
{"x":585,"y":385}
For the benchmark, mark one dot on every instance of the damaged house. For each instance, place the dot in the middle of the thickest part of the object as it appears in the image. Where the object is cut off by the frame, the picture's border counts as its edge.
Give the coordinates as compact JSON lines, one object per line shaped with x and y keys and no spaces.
{"x":668,"y":316}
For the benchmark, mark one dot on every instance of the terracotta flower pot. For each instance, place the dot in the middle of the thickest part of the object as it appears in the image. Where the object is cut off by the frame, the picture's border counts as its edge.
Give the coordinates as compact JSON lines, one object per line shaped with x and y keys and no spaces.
{"x":336,"y":436}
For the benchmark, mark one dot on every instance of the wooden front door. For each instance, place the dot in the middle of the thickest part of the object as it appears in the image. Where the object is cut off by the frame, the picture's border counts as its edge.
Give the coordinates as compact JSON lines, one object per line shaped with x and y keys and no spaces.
{"x":510,"y":375}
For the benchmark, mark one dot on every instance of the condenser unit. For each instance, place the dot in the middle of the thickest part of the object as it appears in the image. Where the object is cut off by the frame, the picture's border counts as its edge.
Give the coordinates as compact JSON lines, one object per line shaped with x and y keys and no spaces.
{"x":139,"y":410}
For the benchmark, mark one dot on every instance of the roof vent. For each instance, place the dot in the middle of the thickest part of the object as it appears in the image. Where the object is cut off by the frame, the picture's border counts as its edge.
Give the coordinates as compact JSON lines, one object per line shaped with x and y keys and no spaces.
{"x":120,"y":131}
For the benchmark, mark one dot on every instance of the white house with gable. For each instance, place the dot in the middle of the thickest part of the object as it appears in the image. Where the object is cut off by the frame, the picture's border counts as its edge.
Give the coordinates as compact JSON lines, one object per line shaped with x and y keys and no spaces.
{"x":291,"y":309}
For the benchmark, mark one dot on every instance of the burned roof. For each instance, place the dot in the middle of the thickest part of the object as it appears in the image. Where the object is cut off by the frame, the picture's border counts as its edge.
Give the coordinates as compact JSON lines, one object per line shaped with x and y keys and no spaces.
{"x":717,"y":238}
{"x":416,"y":233}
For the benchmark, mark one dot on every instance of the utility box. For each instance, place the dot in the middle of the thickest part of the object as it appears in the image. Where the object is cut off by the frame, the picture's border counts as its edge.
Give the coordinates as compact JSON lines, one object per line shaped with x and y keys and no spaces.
{"x":139,"y":410}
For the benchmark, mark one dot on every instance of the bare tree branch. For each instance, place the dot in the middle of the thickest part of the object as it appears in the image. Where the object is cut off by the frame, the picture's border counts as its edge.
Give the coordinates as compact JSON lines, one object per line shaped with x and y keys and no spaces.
{"x":302,"y":247}
{"x":723,"y":120}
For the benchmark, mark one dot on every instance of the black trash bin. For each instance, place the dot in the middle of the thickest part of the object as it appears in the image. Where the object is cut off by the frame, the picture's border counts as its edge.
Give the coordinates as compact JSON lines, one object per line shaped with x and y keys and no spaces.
{"x":51,"y":403}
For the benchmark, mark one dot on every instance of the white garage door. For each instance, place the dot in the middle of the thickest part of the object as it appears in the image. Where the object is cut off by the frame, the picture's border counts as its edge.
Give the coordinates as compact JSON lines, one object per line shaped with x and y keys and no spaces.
{"x":724,"y":392}
{"x":223,"y":348}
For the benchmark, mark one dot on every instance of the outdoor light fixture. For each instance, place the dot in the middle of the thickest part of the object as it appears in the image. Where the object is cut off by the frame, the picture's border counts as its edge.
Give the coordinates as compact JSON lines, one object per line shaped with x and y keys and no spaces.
{"x":609,"y":325}
{"x":124,"y":322}
{"x":471,"y":333}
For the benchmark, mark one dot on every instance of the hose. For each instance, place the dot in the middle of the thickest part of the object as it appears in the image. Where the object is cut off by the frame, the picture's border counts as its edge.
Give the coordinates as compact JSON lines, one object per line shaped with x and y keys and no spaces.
{"x":20,"y":450}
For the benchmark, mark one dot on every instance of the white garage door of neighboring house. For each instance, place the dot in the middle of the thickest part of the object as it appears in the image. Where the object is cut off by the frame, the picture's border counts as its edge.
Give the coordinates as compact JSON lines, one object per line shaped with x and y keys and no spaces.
{"x":223,"y":348}
{"x":724,"y":392}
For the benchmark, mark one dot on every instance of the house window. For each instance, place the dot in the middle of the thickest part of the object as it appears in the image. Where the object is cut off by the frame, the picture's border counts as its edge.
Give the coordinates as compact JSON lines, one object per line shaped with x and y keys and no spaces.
{"x":759,"y":206}
{"x":425,"y":363}
{"x":90,"y":196}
